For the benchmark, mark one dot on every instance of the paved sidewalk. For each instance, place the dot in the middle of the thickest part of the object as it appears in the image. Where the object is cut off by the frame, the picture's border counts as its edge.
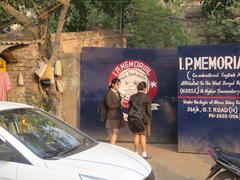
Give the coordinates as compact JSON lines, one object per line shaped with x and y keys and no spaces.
{"x":168,"y":164}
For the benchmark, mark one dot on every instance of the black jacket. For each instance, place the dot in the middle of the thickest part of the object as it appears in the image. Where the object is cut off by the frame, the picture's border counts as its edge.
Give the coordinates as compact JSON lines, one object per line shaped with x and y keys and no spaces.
{"x":146,"y":104}
{"x":114,"y":106}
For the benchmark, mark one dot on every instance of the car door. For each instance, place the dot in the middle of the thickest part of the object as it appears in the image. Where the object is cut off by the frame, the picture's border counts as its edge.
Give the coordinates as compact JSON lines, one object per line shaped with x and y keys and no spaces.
{"x":8,"y":168}
{"x":28,"y":172}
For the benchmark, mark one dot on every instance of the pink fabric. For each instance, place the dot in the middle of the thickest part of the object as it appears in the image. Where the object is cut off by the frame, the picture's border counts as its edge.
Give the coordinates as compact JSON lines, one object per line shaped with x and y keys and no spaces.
{"x":5,"y":85}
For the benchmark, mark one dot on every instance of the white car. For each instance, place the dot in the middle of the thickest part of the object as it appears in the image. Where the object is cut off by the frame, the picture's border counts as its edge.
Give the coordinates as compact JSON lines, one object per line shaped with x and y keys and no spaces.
{"x":35,"y":145}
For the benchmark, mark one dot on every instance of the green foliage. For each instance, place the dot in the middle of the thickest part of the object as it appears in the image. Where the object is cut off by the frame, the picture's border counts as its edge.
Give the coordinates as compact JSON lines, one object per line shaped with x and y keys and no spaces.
{"x":152,"y":29}
{"x":217,"y":8}
{"x":147,"y":30}
{"x":141,"y":18}
{"x":101,"y":20}
{"x":176,"y":2}
{"x":223,"y":20}
{"x":77,"y":16}
{"x":109,"y":7}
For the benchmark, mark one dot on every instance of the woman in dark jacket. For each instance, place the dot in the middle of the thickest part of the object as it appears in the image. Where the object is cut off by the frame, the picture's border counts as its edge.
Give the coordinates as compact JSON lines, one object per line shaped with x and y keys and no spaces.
{"x":140,"y":138}
{"x":115,"y":119}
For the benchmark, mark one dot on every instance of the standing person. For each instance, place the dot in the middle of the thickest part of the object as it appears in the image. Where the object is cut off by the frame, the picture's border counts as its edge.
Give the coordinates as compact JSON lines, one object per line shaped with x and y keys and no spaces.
{"x":114,"y":119}
{"x":143,"y":113}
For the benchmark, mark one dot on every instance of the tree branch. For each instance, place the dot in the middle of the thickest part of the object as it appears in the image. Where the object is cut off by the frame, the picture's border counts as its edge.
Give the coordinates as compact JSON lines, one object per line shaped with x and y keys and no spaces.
{"x":20,"y":17}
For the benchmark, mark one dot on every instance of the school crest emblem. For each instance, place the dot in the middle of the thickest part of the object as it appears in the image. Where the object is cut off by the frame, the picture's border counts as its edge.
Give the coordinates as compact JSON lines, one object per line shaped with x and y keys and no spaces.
{"x":131,"y":72}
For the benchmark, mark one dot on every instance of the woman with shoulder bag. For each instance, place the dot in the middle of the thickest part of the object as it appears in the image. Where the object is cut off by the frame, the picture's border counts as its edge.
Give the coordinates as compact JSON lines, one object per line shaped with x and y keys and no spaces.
{"x":140,"y":136}
{"x":114,"y":119}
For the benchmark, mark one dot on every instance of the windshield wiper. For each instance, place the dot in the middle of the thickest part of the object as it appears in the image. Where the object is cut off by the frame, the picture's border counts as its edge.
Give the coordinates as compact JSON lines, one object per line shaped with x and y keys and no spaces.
{"x":69,"y":150}
{"x":62,"y":152}
{"x":53,"y":154}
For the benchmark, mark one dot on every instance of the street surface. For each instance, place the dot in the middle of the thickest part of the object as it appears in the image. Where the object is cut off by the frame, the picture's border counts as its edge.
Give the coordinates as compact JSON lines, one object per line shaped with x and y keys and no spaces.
{"x":168,"y":164}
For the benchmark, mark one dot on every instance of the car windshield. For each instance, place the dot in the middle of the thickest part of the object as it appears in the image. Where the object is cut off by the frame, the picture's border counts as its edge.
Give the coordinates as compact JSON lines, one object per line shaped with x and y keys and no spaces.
{"x":43,"y":134}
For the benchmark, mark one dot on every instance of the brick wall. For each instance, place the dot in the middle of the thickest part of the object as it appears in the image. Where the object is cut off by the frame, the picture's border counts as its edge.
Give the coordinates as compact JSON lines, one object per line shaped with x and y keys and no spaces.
{"x":27,"y":57}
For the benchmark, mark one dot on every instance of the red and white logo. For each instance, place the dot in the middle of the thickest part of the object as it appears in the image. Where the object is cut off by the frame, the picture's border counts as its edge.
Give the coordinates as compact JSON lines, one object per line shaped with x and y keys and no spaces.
{"x":131,"y":72}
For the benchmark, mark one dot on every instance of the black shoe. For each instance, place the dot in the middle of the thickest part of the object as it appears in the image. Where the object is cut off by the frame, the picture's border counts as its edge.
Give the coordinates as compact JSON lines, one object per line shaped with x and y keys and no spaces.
{"x":147,"y":157}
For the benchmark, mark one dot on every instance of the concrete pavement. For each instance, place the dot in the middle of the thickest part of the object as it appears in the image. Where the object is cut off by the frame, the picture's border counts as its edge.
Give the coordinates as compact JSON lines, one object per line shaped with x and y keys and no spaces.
{"x":168,"y":164}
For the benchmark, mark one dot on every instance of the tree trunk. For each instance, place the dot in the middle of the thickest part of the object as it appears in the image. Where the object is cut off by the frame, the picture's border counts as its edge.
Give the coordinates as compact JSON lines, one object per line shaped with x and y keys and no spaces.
{"x":56,"y":96}
{"x":61,"y":22}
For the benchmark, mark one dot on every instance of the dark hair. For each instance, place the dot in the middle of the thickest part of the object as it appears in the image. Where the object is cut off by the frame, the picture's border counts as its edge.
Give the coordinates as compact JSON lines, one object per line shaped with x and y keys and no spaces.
{"x":114,"y":81}
{"x":141,"y":86}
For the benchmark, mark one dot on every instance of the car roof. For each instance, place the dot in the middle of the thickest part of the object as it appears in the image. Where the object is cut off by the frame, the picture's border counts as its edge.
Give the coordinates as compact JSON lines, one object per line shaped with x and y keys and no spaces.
{"x":12,"y":105}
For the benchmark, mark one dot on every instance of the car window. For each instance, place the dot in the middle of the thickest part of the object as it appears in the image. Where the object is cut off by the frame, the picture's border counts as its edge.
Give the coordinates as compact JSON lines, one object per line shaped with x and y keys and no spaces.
{"x":3,"y":147}
{"x":42,"y":133}
{"x":14,"y":156}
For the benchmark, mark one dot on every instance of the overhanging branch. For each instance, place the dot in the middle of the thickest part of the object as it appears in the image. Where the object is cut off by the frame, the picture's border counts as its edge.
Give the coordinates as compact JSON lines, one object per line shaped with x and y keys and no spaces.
{"x":19,"y":16}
